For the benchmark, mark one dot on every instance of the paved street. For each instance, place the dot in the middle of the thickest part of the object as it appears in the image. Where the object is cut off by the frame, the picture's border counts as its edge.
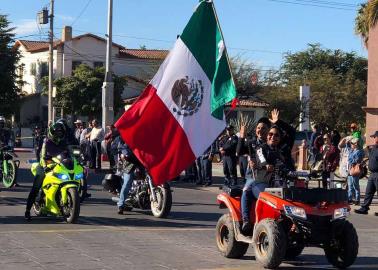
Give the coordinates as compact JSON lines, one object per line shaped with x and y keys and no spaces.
{"x":105,"y":240}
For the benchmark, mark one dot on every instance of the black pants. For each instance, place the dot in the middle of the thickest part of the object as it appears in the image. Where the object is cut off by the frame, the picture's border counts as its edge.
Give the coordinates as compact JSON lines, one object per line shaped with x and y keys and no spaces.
{"x":325,"y":176}
{"x":371,"y":189}
{"x":229,"y":170}
{"x":191,"y":174}
{"x":37,"y":184}
{"x":199,"y":171}
{"x":207,"y":175}
{"x":243,"y":164}
{"x":96,"y":154}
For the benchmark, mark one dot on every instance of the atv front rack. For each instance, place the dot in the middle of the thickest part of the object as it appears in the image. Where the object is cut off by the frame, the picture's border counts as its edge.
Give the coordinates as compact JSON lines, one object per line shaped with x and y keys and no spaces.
{"x":309,"y":196}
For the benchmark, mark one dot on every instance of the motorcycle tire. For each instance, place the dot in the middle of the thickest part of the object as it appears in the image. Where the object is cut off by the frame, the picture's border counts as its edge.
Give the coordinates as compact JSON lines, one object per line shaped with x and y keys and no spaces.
{"x":345,"y":252}
{"x":73,"y":205}
{"x":9,"y":179}
{"x":162,"y":207}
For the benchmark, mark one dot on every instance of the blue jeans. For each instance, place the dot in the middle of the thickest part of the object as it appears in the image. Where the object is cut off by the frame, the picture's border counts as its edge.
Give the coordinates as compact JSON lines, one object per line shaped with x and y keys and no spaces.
{"x":251,"y":190}
{"x":126,"y":186}
{"x":353,"y":188}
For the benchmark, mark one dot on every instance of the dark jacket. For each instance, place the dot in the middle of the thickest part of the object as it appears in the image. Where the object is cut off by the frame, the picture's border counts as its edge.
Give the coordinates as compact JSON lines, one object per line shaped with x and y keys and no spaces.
{"x":50,"y":149}
{"x":248,"y":146}
{"x":211,"y":150}
{"x":278,"y":157}
{"x":5,"y":136}
{"x":373,"y":159}
{"x":229,"y":143}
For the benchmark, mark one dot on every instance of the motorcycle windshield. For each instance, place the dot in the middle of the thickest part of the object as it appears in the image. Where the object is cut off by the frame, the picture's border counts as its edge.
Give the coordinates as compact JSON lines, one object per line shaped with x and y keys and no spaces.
{"x":68,"y":163}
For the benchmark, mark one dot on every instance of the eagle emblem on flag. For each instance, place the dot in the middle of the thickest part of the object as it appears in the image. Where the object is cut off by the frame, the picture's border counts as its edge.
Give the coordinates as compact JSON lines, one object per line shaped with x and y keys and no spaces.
{"x":187,"y":94}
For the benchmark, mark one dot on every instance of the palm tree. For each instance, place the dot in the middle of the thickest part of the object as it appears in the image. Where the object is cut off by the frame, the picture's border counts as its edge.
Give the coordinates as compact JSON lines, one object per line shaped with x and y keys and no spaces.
{"x":367,"y":17}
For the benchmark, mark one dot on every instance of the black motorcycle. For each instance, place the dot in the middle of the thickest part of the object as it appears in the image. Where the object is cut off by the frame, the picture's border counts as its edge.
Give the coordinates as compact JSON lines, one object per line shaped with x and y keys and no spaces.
{"x":79,"y":156}
{"x":143,"y":194}
{"x":9,"y":166}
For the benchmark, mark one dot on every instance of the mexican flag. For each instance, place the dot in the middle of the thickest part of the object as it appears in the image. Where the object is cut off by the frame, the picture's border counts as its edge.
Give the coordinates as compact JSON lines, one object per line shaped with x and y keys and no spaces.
{"x":180,"y":113}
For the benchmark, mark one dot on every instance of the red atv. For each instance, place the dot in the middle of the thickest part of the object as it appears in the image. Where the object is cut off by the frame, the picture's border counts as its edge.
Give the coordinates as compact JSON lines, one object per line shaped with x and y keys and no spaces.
{"x":285,"y":221}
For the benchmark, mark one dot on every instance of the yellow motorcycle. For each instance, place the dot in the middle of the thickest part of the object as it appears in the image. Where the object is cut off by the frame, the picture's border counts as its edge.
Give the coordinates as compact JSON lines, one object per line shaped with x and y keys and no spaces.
{"x":59,"y":193}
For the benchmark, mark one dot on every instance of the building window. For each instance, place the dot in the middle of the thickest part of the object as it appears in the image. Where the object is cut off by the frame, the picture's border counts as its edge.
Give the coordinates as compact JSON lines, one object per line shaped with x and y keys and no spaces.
{"x":75,"y":64}
{"x":44,"y":69}
{"x":98,"y":64}
{"x":250,"y":114}
{"x":33,"y":69}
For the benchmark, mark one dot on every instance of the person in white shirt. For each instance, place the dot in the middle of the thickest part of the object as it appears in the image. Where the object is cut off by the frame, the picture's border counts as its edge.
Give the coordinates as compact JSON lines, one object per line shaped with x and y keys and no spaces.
{"x":95,"y":138}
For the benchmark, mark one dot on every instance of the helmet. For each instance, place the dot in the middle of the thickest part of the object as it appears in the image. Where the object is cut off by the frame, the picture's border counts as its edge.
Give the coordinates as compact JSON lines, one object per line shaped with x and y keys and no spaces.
{"x":57,"y":132}
{"x":2,"y":122}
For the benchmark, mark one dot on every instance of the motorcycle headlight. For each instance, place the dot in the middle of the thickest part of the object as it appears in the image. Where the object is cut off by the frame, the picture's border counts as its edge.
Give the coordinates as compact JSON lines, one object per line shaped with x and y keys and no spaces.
{"x":341,"y":213}
{"x":79,"y":176}
{"x":61,"y":176}
{"x":76,"y":152}
{"x":295,"y":211}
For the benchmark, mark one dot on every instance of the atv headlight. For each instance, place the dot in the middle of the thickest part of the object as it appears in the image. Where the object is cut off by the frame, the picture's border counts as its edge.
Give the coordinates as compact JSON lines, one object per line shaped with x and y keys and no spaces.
{"x":79,"y":176}
{"x":341,"y":213}
{"x":295,"y":211}
{"x":61,"y":176}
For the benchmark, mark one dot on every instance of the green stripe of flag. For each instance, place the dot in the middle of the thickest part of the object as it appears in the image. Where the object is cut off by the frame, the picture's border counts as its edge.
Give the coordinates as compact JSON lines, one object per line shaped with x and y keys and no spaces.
{"x":203,"y":38}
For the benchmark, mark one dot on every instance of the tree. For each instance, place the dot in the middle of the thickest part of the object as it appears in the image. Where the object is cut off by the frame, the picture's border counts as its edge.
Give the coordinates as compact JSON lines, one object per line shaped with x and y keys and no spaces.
{"x":10,"y":92}
{"x":367,"y":17}
{"x":81,"y":93}
{"x":246,"y":76}
{"x":338,"y":86}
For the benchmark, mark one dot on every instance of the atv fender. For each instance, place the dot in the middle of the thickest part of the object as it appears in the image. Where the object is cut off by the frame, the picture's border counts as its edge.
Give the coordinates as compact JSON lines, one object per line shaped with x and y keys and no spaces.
{"x":232,"y":204}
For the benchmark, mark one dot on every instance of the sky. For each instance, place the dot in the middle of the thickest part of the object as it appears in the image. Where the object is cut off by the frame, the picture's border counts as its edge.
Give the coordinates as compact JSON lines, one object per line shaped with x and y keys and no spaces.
{"x":259,"y":31}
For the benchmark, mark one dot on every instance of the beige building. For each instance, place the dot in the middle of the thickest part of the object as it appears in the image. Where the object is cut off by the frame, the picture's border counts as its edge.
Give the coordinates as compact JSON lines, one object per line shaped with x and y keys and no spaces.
{"x":137,"y":65}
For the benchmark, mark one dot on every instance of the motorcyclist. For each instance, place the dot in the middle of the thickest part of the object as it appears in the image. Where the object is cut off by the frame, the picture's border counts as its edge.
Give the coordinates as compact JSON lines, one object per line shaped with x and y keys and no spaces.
{"x":5,"y":134}
{"x":271,"y":159}
{"x":53,"y":146}
{"x":128,"y":163}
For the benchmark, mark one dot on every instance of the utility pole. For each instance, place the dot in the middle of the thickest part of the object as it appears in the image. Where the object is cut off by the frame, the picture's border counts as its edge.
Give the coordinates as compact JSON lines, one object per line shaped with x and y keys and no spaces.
{"x":108,"y":85}
{"x":51,"y":61}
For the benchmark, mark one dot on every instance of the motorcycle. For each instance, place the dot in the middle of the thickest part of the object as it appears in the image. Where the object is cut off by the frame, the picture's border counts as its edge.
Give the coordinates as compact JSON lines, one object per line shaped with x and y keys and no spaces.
{"x":83,"y":188}
{"x":59,"y":194}
{"x":9,"y":166}
{"x":143,"y":194}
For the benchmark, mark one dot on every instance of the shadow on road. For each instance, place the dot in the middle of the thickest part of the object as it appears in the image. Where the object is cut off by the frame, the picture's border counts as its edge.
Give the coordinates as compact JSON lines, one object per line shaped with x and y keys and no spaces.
{"x":316,"y":261}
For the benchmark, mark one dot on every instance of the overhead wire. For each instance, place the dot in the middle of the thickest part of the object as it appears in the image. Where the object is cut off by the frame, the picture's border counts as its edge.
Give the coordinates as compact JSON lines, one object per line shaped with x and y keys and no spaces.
{"x":81,"y":12}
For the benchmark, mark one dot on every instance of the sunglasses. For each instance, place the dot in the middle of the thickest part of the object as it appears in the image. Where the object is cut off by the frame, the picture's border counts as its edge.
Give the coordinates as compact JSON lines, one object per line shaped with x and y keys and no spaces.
{"x":272,"y":134}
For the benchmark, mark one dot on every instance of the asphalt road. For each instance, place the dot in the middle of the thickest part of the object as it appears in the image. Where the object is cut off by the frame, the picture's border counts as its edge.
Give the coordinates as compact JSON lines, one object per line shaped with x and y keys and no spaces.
{"x":105,"y":240}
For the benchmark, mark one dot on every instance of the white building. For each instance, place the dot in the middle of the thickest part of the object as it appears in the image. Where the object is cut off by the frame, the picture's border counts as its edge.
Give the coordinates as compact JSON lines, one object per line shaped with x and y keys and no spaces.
{"x":137,"y":65}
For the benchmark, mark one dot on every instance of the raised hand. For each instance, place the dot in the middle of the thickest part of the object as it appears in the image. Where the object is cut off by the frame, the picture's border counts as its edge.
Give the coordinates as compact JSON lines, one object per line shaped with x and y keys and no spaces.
{"x":275,"y":115}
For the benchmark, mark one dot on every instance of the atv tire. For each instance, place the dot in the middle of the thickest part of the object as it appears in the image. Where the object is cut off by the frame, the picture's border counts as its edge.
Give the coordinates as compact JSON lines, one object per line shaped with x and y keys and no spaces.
{"x":225,"y":237}
{"x":269,"y":243}
{"x":344,"y":253}
{"x":294,"y":251}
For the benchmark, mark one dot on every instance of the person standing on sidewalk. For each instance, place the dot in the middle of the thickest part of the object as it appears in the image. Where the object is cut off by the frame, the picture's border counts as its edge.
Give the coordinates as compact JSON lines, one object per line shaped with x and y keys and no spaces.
{"x":355,"y":157}
{"x":228,"y":151}
{"x":95,"y":138}
{"x":206,"y":164}
{"x":372,"y":184}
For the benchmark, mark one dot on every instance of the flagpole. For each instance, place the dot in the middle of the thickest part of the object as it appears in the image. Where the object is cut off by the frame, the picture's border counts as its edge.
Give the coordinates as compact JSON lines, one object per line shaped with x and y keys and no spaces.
{"x":225,"y":47}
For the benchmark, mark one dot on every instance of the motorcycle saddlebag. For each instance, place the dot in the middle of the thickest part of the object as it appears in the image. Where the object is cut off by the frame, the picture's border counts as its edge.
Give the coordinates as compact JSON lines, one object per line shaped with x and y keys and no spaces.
{"x":112,"y":182}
